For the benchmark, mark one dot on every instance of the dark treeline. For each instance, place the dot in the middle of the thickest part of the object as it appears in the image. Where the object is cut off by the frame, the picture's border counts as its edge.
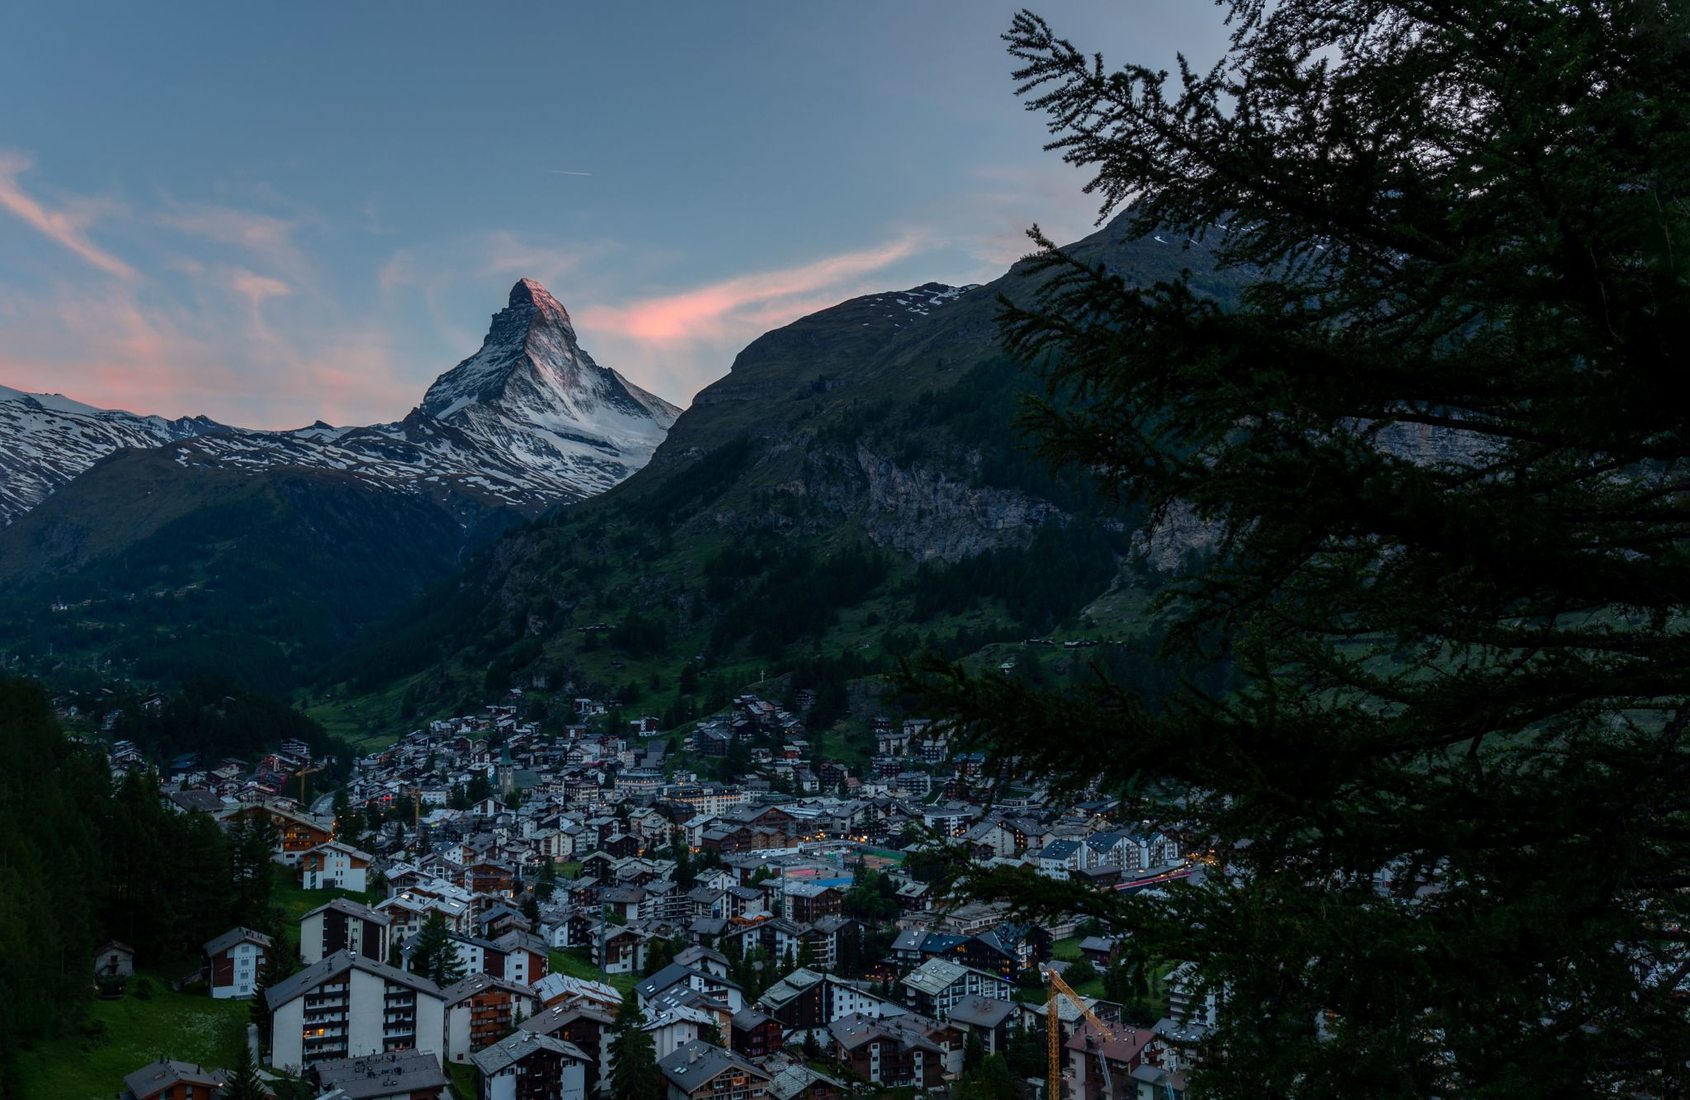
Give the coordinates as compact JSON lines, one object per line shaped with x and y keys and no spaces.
{"x":218,"y":718}
{"x":82,"y":862}
{"x":1040,"y":585}
{"x":981,"y":413}
{"x":778,"y":594}
{"x":686,"y":492}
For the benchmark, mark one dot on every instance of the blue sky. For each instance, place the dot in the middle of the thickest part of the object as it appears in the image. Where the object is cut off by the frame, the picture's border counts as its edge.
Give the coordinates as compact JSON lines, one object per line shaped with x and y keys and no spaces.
{"x":275,"y":213}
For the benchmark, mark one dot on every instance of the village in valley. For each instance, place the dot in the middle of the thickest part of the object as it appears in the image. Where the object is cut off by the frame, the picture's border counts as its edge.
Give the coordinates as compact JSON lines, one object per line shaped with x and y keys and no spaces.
{"x":496,"y":902}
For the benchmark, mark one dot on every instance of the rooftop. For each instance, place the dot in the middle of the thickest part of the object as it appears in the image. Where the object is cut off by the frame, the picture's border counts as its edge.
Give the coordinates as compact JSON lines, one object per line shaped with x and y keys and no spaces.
{"x":696,"y":1063}
{"x":382,"y":1074}
{"x":518,"y":1045}
{"x":337,"y":964}
{"x":153,"y":1079}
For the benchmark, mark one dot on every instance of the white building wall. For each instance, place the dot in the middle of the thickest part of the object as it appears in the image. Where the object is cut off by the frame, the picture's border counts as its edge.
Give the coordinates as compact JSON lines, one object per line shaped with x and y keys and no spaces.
{"x":311,"y":940}
{"x":286,"y":1043}
{"x":337,"y":871}
{"x":366,"y":1002}
{"x":457,"y":1032}
{"x":431,"y":1025}
{"x":847,"y":1000}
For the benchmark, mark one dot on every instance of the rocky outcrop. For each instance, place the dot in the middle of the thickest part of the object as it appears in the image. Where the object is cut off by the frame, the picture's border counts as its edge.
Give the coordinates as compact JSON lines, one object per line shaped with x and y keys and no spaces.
{"x":920,"y":511}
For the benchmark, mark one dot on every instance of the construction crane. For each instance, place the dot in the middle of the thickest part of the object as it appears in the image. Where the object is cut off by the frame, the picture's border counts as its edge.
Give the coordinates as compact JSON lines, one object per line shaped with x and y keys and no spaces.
{"x":1053,"y":1025}
{"x":302,"y":773}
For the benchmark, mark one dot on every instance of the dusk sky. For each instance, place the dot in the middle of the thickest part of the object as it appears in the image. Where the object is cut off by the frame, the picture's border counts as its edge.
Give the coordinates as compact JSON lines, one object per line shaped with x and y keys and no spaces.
{"x":276,"y":213}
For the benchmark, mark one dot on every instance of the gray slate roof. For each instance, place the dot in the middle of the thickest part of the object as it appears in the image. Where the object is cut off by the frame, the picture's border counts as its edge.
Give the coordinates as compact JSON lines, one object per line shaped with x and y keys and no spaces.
{"x":979,"y":1011}
{"x":518,"y":1045}
{"x":794,"y":1079}
{"x":237,"y":935}
{"x":334,"y":966}
{"x":396,"y":1073}
{"x":155,"y":1078}
{"x":695,"y":1063}
{"x":351,"y":909}
{"x":674,"y":974}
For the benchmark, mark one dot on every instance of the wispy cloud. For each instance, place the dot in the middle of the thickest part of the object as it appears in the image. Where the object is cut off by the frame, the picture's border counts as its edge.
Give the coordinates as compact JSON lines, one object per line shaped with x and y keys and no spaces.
{"x":222,"y":312}
{"x":710,"y":311}
{"x":239,"y":313}
{"x":118,"y":345}
{"x":264,"y":237}
{"x":675,"y":344}
{"x":67,"y":226}
{"x":255,"y":288}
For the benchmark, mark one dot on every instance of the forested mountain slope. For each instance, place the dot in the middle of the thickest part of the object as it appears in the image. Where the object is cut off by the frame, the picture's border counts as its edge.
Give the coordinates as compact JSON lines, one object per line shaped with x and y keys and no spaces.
{"x":854,"y":487}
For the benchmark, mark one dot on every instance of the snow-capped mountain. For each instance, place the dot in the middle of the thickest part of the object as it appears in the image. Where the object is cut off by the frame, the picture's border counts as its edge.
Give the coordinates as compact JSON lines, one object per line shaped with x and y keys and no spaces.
{"x":46,"y":439}
{"x":528,"y":421}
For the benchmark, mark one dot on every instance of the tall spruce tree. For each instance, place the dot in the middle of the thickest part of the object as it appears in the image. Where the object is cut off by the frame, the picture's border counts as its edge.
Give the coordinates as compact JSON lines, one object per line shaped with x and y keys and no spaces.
{"x":1440,"y":452}
{"x":243,"y":1082}
{"x":434,"y":955}
{"x":634,"y":1074}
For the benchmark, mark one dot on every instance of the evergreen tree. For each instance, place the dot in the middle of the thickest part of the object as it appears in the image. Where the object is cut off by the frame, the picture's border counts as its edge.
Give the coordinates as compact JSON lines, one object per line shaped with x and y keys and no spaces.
{"x":1426,"y":410}
{"x":1079,"y":972}
{"x":685,"y":873}
{"x":660,"y":953}
{"x":634,"y":1074}
{"x":53,"y":871}
{"x":204,"y":905}
{"x":1026,"y":1051}
{"x":243,"y":1082}
{"x":434,"y":955}
{"x":973,"y":1052}
{"x":995,"y":1078}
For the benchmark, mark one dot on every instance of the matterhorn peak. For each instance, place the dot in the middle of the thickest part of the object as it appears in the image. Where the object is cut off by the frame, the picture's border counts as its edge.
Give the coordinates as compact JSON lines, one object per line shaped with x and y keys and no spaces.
{"x":531,"y":370}
{"x":529,"y":294}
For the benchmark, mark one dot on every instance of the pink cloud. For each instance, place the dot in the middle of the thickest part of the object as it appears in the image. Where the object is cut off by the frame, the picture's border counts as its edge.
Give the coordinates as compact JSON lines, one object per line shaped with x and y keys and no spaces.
{"x":67,"y":227}
{"x":708,"y":312}
{"x":123,"y":356}
{"x":130,"y":349}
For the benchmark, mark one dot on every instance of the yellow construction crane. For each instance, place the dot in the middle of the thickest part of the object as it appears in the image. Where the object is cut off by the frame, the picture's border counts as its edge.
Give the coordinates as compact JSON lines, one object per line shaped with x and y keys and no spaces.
{"x":1053,"y":1025}
{"x":302,"y":773}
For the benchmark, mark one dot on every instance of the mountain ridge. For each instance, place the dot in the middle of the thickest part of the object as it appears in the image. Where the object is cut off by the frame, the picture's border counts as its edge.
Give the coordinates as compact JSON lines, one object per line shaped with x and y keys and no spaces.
{"x":540,"y":422}
{"x":154,"y":544}
{"x":49,"y":439}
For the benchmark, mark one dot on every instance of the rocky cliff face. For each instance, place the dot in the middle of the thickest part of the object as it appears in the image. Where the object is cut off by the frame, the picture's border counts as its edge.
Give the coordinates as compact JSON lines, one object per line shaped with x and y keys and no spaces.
{"x":535,"y":398}
{"x":920,"y":511}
